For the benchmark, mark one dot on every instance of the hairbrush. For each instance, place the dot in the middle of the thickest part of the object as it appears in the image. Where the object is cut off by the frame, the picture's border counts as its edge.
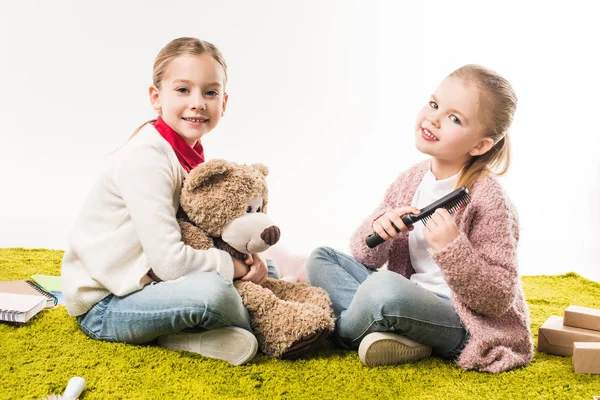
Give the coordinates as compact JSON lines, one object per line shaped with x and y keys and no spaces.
{"x":451,"y":202}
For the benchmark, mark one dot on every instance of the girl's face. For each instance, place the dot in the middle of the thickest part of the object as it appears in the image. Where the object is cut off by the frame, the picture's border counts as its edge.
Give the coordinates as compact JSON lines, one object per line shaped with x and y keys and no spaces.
{"x":191,"y":98}
{"x":448,"y":128}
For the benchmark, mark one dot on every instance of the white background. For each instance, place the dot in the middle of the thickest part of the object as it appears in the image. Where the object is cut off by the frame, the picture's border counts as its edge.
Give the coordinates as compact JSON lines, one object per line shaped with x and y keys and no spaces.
{"x":323,"y":92}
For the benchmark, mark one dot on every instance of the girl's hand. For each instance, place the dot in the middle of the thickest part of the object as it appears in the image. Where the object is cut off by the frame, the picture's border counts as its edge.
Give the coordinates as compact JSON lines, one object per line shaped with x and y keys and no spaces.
{"x":258,"y":269}
{"x":440,"y":230}
{"x":240,"y":268}
{"x":383,"y":225}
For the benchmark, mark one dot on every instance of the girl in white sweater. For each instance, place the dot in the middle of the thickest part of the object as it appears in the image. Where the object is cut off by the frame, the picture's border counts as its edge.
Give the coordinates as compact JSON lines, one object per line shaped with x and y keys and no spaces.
{"x":127,"y":275}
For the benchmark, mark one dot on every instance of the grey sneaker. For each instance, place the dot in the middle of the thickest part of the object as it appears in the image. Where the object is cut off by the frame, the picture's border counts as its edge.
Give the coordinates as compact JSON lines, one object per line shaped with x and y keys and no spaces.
{"x":234,"y":345}
{"x":383,"y":348}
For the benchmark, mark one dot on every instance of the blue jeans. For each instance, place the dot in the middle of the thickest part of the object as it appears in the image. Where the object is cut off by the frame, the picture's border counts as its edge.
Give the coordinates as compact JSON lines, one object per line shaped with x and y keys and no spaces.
{"x":367,"y":301}
{"x":202,"y":300}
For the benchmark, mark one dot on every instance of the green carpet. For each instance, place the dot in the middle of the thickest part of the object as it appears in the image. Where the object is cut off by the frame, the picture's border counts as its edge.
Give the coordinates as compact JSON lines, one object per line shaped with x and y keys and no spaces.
{"x":39,"y":358}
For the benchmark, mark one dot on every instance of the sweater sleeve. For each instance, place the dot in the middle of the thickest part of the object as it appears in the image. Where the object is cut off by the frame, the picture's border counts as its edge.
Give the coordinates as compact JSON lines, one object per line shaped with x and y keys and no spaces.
{"x":374,"y":258}
{"x":481,"y":269}
{"x":147,"y":185}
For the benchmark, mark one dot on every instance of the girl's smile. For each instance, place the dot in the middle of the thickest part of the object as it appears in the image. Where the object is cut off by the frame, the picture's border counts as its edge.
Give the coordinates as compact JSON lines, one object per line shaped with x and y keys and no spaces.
{"x":196,"y":122}
{"x":428,"y":136}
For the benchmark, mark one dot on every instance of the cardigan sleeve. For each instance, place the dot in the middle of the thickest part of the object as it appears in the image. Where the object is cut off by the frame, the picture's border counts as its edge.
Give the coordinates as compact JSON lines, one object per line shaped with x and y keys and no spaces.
{"x":375,"y":258}
{"x":481,"y":269}
{"x":147,"y":185}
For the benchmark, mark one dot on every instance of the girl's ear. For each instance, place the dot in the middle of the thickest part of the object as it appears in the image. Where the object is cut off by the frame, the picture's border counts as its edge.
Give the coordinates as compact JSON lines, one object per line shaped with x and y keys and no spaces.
{"x":225,"y":98}
{"x":482,"y":147}
{"x":154,"y":97}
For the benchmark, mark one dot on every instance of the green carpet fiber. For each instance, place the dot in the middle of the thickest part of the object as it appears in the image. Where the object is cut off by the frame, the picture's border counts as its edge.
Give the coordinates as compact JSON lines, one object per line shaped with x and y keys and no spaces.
{"x":38,"y":359}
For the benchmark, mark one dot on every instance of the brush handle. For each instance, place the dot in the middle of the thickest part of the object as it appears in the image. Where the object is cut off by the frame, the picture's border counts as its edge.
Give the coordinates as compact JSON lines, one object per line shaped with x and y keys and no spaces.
{"x":374,"y":240}
{"x":451,"y":202}
{"x":74,"y":388}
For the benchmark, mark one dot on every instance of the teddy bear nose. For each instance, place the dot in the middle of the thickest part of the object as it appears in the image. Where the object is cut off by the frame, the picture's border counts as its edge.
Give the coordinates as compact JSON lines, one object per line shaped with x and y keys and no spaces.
{"x":271,"y":235}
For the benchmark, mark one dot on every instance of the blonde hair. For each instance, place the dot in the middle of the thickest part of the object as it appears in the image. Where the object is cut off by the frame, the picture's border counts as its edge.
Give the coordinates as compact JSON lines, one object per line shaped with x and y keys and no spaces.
{"x":176,"y":48}
{"x":497,"y":106}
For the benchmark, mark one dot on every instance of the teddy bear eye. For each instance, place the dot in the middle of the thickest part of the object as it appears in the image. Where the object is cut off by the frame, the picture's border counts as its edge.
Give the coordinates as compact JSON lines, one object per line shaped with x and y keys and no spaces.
{"x":258,"y":209}
{"x":249,"y":209}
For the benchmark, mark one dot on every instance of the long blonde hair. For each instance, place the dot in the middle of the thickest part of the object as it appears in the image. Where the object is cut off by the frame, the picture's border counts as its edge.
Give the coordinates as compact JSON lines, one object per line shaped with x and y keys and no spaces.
{"x":497,"y":106}
{"x":179,"y":47}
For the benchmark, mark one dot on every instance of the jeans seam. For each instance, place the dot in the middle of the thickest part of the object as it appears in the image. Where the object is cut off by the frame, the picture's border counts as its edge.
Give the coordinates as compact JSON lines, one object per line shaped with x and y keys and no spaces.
{"x":88,"y":332}
{"x":422,"y":322}
{"x":219,"y":317}
{"x":98,"y":308}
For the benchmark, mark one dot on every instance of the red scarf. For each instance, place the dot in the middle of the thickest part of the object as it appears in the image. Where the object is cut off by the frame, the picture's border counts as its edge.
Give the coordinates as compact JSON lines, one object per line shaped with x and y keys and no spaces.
{"x":188,"y":157}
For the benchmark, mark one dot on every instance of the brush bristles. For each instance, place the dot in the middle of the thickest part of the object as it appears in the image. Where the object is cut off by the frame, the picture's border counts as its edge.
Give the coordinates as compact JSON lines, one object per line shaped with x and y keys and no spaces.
{"x":452,"y":206}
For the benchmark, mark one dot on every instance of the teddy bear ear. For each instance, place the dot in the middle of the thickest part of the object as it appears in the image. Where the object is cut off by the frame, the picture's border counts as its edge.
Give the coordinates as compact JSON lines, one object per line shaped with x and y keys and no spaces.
{"x":262,"y":168}
{"x":207,"y":172}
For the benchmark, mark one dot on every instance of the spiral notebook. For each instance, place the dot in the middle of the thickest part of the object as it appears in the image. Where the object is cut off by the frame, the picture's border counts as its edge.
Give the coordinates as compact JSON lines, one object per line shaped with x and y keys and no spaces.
{"x":15,"y":307}
{"x":30,"y":288}
{"x":51,"y":284}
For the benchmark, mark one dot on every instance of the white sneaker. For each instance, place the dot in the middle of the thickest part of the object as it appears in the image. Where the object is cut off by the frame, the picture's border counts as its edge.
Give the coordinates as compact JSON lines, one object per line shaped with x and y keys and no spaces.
{"x":383,"y":348}
{"x":231,"y":344}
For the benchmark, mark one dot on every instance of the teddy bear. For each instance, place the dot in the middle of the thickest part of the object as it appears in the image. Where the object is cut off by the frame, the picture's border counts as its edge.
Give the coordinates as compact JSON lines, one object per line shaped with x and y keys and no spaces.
{"x":223,"y":204}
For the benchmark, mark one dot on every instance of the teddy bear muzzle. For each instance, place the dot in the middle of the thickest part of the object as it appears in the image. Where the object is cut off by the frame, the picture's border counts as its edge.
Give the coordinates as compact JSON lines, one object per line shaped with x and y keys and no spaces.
{"x":251,"y":233}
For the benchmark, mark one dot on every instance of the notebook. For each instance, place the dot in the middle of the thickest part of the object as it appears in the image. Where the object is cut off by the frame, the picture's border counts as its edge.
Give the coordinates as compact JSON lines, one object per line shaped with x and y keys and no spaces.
{"x":16,"y":307}
{"x":28,"y":287}
{"x":51,"y":284}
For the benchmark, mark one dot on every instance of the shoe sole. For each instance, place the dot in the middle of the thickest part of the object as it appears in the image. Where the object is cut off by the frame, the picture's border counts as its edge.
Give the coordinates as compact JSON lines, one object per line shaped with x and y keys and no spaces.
{"x":378,"y":349}
{"x":234,"y":345}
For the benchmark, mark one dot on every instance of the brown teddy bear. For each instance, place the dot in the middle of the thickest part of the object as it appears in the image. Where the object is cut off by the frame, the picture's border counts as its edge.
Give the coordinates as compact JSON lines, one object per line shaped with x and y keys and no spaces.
{"x":223,"y":205}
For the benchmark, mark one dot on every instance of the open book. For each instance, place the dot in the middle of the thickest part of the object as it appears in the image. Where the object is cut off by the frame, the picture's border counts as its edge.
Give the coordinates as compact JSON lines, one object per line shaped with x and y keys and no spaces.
{"x":16,"y":307}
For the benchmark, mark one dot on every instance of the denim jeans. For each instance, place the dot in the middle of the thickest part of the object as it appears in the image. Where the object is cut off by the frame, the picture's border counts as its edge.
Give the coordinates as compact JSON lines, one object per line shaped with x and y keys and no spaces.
{"x":202,"y":300}
{"x":367,"y":301}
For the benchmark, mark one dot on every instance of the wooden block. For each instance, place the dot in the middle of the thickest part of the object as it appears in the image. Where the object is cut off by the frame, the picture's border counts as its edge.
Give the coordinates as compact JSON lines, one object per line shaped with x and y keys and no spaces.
{"x":556,"y":338}
{"x":582,"y":317}
{"x":586,"y":357}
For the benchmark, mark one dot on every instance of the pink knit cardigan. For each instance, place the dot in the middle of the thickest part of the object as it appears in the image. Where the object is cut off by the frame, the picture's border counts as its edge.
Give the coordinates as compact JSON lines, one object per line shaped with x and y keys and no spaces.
{"x":480,"y":266}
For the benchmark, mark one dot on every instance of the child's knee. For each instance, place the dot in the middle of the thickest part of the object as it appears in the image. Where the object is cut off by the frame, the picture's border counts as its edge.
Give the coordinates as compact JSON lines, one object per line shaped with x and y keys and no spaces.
{"x":207,"y":289}
{"x":381,"y":292}
{"x":222,"y":300}
{"x":322,"y":254}
{"x":223,"y":296}
{"x":319,"y":258}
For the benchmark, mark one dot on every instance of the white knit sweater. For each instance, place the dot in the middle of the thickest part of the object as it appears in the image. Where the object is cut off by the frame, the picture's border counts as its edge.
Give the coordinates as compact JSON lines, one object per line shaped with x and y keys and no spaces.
{"x":128,"y":225}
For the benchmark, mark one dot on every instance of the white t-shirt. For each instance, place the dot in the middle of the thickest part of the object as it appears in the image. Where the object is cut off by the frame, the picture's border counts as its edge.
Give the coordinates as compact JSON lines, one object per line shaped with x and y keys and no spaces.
{"x":427,"y":273}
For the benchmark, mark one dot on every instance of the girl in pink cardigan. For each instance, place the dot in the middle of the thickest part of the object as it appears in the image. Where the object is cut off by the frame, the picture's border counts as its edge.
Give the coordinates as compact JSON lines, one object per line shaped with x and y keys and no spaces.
{"x":451,"y":287}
